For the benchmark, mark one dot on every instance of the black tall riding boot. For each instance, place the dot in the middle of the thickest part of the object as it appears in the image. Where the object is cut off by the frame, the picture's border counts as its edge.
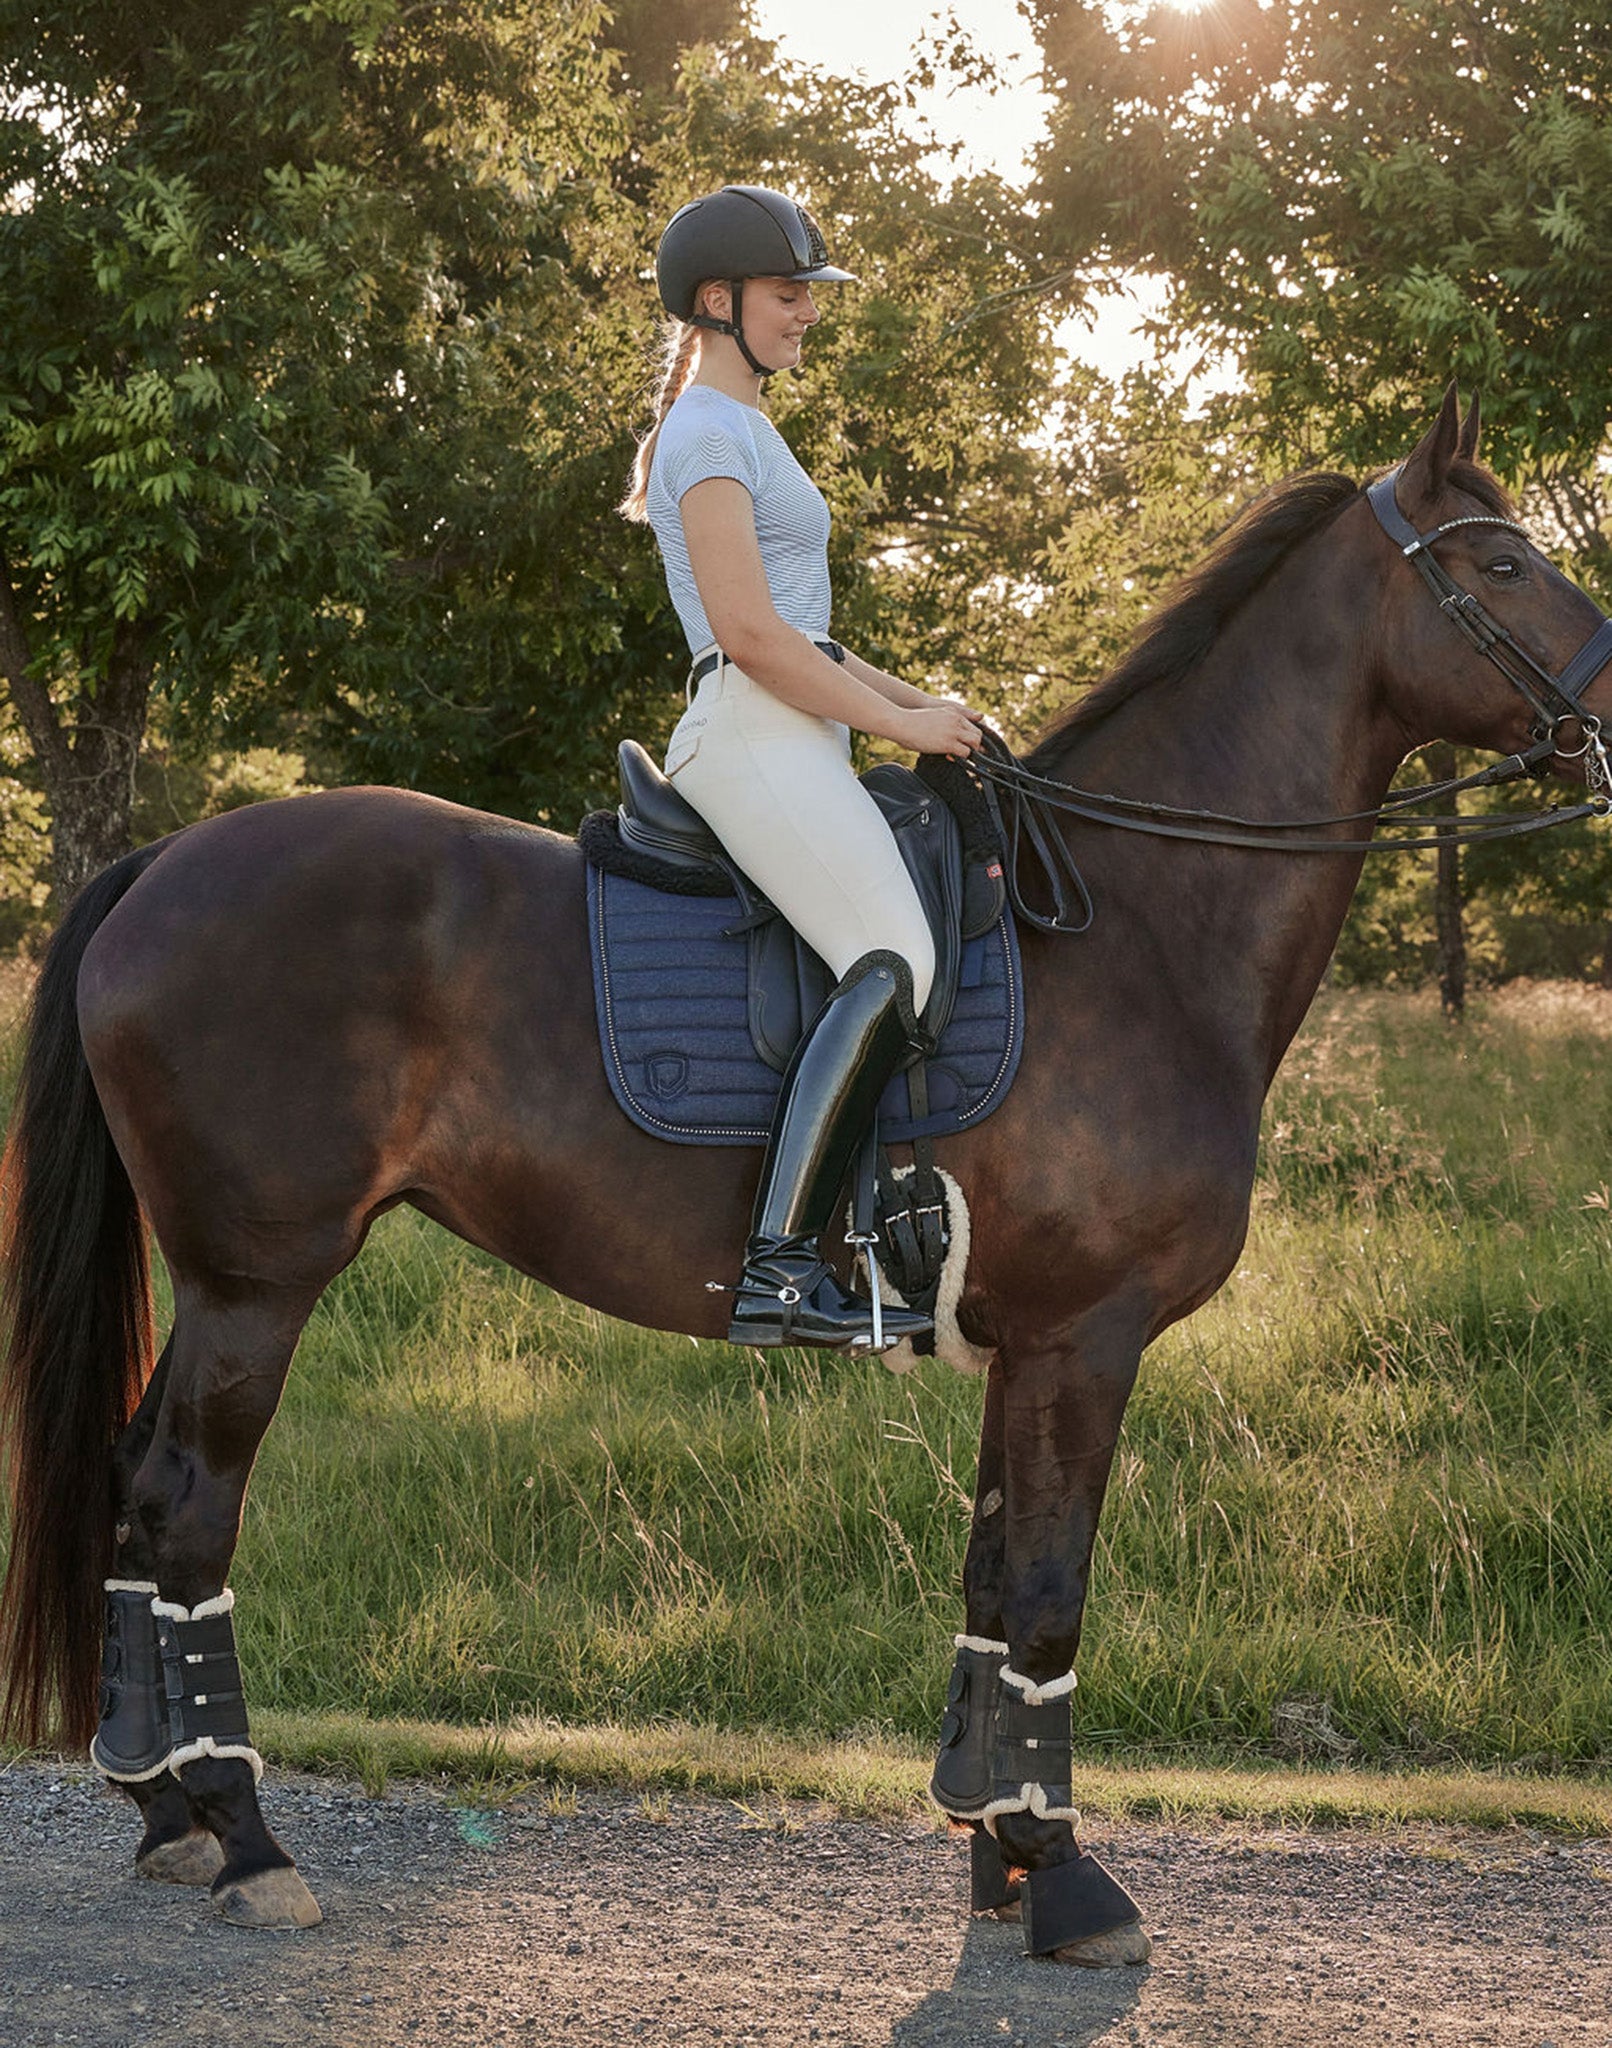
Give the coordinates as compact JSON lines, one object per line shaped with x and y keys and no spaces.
{"x":787,"y":1294}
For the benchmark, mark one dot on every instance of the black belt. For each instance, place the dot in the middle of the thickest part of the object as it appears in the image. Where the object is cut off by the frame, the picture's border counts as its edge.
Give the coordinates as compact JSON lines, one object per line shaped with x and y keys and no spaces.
{"x":707,"y":662}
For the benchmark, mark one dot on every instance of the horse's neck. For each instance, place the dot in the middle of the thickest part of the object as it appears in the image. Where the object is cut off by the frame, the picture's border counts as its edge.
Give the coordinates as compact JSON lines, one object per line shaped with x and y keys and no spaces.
{"x":1276,"y":721}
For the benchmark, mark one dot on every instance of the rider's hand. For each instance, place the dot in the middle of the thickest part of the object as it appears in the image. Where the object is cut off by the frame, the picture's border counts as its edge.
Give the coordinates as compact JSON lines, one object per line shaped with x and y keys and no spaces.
{"x":942,"y":726}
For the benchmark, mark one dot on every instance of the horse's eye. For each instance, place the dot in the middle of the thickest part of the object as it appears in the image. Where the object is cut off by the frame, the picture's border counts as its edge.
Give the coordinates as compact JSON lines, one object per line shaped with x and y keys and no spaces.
{"x":1503,"y":569}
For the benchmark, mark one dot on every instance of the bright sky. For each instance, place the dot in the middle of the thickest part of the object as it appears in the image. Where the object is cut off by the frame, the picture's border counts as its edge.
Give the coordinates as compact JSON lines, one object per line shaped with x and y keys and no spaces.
{"x":879,"y":37}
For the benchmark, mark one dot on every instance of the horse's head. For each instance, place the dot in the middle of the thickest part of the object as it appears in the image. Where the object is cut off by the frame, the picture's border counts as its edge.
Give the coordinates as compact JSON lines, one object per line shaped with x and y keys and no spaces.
{"x":1482,"y":640}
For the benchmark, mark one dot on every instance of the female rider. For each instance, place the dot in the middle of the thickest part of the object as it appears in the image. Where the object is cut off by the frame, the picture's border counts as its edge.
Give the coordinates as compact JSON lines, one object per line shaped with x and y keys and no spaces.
{"x":763,"y":751}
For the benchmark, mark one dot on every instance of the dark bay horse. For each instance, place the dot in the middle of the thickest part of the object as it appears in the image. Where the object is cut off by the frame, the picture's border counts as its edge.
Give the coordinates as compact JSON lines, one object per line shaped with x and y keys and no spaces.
{"x":262,"y":1033}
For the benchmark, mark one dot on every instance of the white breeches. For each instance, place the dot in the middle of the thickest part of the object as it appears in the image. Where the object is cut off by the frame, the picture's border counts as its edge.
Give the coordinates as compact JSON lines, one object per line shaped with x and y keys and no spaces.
{"x":776,"y":787}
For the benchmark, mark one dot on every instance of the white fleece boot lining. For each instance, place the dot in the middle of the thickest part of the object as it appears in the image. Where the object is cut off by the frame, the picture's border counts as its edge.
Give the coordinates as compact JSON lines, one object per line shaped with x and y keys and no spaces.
{"x":221,"y":1603}
{"x":1031,"y":1798}
{"x":1035,"y":1695}
{"x":950,"y":1343}
{"x":980,"y":1643}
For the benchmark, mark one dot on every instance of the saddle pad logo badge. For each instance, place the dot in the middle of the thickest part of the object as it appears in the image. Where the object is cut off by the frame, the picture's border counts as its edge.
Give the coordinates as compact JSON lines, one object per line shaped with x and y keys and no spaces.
{"x":666,"y":1074}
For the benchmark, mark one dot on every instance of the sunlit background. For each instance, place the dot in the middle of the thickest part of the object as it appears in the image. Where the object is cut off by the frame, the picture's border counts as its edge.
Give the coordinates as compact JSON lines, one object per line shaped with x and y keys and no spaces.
{"x":998,"y":130}
{"x":848,"y":36}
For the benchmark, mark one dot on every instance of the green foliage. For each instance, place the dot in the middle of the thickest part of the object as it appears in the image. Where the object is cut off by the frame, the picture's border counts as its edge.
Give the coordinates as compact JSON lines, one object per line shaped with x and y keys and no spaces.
{"x":24,"y":836}
{"x":1352,"y":203}
{"x":1357,"y":201}
{"x":297,"y":296}
{"x":331,"y":349}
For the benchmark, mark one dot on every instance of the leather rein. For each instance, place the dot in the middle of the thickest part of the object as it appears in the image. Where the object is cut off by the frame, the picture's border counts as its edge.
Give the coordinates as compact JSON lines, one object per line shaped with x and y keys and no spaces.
{"x":1024,"y":799}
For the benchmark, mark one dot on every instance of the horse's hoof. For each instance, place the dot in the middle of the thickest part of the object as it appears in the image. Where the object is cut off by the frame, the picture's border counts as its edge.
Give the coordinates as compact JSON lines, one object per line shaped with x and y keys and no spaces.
{"x":270,"y":1898}
{"x":195,"y":1858}
{"x":1010,"y":1915}
{"x":1109,"y":1950}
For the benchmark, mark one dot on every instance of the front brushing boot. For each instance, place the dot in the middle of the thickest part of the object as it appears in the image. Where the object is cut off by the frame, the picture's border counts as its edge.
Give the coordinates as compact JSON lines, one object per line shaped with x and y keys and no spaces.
{"x":787,"y":1294}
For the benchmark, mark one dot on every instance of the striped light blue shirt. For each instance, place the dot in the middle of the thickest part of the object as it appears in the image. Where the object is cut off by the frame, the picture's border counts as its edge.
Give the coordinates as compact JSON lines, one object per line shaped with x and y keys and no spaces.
{"x":708,"y":434}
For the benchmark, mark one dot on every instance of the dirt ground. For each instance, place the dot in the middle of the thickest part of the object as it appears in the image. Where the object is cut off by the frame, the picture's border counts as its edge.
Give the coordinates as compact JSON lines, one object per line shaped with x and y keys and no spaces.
{"x":690,"y":1921}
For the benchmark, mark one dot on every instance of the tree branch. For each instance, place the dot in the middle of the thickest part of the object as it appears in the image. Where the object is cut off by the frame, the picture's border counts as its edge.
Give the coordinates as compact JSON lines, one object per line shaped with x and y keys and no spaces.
{"x":1038,"y":288}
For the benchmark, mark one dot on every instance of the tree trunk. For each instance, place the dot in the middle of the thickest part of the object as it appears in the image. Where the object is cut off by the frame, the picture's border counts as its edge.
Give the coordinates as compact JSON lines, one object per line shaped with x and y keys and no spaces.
{"x":87,"y":766}
{"x":91,"y":806}
{"x":1449,"y":920}
{"x":1606,"y":954}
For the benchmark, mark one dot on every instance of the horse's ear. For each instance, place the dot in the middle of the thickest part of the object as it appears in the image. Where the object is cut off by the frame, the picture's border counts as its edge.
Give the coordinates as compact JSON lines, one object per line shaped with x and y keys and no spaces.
{"x":1467,"y":446}
{"x":1428,"y":464}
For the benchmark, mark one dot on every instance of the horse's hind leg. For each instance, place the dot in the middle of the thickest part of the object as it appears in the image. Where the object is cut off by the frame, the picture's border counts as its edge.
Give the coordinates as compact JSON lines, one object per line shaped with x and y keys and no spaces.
{"x":174,"y":1846}
{"x":183,"y":1469}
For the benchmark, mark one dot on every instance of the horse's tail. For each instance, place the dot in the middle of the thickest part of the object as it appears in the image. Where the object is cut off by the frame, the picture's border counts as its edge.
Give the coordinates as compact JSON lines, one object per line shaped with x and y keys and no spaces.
{"x":77,"y":1345}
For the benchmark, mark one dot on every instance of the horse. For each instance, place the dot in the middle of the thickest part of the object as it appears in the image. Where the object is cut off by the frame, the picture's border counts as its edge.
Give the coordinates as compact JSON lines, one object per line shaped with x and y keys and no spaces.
{"x":255,"y":1037}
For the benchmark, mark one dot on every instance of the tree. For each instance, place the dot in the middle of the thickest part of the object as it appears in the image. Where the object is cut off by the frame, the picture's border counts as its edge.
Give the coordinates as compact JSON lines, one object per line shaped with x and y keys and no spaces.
{"x":331,"y":350}
{"x":280,"y":281}
{"x":1356,"y":199}
{"x":1352,"y":201}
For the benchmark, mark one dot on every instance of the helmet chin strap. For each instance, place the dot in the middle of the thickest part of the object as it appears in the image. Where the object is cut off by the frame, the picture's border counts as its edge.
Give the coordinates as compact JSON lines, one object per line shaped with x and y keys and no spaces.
{"x":735,"y":327}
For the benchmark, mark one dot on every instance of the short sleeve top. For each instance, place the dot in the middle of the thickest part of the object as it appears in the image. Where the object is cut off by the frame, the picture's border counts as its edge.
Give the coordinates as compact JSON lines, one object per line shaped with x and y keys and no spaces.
{"x":707,"y":434}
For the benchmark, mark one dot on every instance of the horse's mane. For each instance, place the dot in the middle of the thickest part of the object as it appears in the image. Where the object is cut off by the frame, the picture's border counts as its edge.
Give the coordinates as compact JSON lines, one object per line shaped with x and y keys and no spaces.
{"x":1191,"y":616}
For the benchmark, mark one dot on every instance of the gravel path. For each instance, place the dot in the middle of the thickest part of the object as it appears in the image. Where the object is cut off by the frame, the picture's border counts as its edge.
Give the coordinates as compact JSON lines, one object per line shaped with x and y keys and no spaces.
{"x":683,"y":1920}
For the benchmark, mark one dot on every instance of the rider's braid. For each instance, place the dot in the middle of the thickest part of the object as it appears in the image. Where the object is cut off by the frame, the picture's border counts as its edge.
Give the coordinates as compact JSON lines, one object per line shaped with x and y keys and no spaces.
{"x":680,"y":346}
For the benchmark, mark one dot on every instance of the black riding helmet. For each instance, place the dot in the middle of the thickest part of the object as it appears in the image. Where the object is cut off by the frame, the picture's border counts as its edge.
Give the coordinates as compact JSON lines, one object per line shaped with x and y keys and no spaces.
{"x":742,"y":231}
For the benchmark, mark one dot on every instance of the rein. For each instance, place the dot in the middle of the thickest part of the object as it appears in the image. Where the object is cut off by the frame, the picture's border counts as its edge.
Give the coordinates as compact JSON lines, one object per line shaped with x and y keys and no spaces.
{"x":1023,"y":799}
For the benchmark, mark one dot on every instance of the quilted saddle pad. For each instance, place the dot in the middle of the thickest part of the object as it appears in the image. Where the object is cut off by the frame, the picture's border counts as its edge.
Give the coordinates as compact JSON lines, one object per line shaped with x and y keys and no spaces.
{"x":670,"y":986}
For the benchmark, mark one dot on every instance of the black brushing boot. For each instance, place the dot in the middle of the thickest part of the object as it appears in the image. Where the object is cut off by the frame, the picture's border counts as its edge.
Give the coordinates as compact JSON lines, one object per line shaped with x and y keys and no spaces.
{"x":787,"y":1294}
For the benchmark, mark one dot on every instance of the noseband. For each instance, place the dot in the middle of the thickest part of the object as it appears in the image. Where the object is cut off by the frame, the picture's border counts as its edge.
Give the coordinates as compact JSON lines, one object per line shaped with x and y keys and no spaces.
{"x":1553,"y":699}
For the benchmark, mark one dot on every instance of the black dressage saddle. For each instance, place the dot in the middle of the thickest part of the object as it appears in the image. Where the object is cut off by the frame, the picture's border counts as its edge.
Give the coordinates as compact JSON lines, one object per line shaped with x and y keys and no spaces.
{"x":942,"y":823}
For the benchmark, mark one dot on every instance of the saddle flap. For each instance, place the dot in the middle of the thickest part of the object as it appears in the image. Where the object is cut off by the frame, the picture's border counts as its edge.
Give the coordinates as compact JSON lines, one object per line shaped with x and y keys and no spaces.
{"x":931,"y":844}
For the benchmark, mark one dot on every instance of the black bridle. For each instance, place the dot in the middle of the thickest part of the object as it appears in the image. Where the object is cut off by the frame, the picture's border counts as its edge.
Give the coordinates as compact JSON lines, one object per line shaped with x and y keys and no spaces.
{"x":1553,"y":699}
{"x":1023,"y":798}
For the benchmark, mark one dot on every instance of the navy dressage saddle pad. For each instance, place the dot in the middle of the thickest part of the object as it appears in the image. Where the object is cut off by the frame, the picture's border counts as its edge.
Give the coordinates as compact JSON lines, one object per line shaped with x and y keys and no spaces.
{"x":671,"y":988}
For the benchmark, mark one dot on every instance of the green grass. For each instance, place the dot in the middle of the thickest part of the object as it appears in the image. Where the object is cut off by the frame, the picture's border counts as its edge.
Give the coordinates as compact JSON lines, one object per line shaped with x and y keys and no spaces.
{"x":1376,"y":1471}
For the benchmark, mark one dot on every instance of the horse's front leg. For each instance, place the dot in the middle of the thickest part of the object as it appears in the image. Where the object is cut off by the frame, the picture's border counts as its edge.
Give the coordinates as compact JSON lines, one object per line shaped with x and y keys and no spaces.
{"x":1052,"y":1421}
